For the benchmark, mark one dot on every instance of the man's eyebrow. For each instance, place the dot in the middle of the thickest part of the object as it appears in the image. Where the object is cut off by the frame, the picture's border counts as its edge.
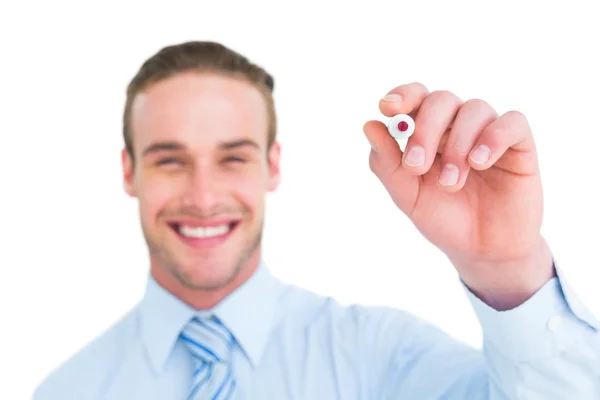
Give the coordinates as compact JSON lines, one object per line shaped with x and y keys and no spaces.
{"x":174,"y":146}
{"x":239,"y":143}
{"x":162,"y":146}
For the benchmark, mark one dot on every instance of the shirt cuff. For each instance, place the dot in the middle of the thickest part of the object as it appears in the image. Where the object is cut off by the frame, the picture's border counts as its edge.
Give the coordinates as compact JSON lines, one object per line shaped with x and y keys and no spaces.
{"x":548,"y":323}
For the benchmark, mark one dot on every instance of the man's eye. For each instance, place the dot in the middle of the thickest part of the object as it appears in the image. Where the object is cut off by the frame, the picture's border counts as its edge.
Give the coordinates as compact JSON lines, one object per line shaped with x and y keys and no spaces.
{"x":235,"y":159}
{"x":168,"y":161}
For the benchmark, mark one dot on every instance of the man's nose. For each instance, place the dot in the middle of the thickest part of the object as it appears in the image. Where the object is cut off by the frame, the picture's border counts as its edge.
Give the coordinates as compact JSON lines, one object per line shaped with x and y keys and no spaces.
{"x":202,"y":189}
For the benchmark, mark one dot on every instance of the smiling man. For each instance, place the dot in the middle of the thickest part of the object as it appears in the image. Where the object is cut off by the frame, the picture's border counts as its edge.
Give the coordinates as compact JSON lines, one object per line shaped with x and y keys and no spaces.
{"x":199,"y":160}
{"x":200,"y":157}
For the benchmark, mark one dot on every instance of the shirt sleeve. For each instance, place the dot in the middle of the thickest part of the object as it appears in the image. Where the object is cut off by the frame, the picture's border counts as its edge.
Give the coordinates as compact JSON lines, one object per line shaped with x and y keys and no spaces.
{"x":547,"y":348}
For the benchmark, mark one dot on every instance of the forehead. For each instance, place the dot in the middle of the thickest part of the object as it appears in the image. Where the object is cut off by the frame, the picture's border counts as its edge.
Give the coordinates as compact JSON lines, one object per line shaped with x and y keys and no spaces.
{"x":199,"y":111}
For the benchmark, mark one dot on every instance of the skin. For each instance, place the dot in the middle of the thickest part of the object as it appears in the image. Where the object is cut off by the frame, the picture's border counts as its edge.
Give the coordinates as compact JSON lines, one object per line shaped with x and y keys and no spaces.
{"x":201,"y":158}
{"x":487,"y":223}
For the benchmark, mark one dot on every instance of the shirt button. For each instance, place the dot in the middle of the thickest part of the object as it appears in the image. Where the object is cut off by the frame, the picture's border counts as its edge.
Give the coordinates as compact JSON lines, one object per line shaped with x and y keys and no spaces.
{"x":554,"y":323}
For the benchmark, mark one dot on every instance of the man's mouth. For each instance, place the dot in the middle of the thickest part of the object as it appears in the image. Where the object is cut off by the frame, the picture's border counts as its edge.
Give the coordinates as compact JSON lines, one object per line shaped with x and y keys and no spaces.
{"x":204,"y":234}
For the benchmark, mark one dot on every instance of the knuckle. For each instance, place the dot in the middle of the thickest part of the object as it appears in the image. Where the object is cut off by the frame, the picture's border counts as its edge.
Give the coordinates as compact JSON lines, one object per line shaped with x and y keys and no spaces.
{"x":444,"y":96}
{"x":517,"y":115}
{"x":457,"y":147}
{"x":480,"y":108}
{"x":420,"y":86}
{"x":477,"y":104}
{"x":456,"y":150}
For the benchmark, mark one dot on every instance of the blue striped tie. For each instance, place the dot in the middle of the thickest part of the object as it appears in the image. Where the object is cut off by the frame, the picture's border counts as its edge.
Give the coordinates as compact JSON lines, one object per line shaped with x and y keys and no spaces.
{"x":211,"y":344}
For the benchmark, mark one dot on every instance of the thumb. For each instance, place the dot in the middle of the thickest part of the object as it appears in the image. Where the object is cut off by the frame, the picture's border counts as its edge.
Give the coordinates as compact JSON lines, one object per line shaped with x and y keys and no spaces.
{"x":386,"y":155}
{"x":385,"y":161}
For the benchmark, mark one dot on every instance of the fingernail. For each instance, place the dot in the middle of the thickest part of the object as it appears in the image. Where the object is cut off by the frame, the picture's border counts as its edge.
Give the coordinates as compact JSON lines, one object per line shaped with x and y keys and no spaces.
{"x":415,"y":156}
{"x":481,"y":155}
{"x":392,"y":97}
{"x":449,"y":175}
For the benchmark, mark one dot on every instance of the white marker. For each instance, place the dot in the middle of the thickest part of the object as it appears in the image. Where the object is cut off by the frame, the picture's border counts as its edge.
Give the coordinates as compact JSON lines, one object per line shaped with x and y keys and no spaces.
{"x":401,"y":126}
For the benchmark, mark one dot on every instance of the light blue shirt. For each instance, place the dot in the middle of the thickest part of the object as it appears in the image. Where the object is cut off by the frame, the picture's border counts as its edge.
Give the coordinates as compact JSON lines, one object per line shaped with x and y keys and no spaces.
{"x":294,"y":344}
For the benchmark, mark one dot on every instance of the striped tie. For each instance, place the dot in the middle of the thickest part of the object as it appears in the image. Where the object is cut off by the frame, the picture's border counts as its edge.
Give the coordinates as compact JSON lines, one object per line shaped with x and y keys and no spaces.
{"x":211,"y":344}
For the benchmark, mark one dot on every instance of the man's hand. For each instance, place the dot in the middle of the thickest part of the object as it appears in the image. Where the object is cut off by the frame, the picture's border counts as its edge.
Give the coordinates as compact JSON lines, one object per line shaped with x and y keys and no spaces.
{"x":469,"y":180}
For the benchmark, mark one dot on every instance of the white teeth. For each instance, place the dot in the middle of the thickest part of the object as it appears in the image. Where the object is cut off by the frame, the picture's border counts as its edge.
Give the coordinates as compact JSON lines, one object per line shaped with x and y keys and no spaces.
{"x":201,"y":232}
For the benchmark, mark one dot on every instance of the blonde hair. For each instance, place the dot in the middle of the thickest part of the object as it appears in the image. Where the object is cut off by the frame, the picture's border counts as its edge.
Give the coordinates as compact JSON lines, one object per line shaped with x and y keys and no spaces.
{"x":200,"y":56}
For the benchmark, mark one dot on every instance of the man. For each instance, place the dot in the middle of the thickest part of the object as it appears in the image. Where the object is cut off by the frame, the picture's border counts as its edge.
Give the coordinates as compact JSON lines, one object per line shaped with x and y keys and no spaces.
{"x":201,"y":154}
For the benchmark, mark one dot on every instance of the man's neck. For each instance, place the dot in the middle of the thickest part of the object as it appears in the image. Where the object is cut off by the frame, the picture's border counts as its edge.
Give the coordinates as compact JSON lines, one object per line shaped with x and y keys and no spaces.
{"x":203,"y":299}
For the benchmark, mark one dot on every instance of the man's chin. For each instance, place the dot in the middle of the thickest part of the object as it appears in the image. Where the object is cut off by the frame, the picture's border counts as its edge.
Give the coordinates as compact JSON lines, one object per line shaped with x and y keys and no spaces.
{"x":204,"y":274}
{"x":205,"y":267}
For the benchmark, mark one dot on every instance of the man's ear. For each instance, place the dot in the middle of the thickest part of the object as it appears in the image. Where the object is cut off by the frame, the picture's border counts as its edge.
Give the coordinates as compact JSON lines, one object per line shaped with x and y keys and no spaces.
{"x":127,"y":163}
{"x":274,"y":166}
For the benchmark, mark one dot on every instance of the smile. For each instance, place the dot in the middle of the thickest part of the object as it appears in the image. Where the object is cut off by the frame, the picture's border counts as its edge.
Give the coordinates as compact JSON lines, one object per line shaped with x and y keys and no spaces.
{"x":203,"y":236}
{"x":201,"y":232}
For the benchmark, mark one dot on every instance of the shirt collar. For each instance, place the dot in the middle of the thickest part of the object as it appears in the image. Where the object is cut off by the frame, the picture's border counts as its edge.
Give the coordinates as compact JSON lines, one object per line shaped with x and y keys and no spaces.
{"x":249,"y":313}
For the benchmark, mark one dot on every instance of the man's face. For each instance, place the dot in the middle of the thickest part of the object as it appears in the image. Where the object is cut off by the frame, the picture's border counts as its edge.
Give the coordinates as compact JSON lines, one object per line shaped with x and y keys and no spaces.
{"x":201,"y":175}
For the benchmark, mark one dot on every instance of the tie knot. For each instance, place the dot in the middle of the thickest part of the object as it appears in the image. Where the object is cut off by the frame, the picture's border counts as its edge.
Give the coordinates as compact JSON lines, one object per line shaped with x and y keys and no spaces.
{"x":208,"y":339}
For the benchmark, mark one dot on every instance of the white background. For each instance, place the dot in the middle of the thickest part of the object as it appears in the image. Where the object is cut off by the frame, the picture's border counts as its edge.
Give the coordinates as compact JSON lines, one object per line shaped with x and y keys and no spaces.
{"x":72,"y":256}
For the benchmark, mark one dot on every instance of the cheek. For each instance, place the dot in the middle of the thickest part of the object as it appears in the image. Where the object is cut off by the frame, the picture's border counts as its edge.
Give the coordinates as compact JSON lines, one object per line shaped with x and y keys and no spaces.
{"x":155,"y":194}
{"x":249,"y":189}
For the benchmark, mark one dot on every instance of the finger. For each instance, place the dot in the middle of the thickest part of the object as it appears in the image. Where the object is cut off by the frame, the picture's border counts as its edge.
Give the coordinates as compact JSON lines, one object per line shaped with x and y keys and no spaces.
{"x":386,"y":153}
{"x":386,"y":164}
{"x":435,"y":115}
{"x":404,"y":99}
{"x":506,"y":143}
{"x":472,"y":118}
